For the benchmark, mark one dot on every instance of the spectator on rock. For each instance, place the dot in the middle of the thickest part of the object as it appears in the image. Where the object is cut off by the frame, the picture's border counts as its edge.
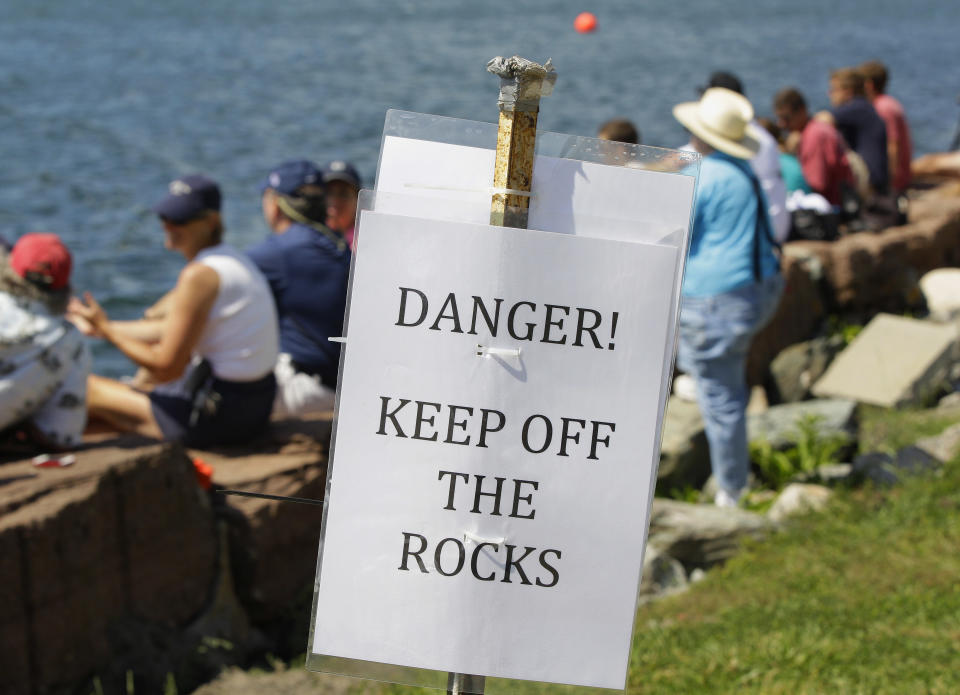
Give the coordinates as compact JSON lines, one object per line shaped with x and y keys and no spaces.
{"x":860,"y":125}
{"x":44,"y":361}
{"x":308,"y":267}
{"x":765,"y":163}
{"x":619,"y":130}
{"x":821,"y":150}
{"x":342,"y":184}
{"x":211,"y":344}
{"x":732,"y":282}
{"x":899,"y":146}
{"x":790,"y":167}
{"x":622,"y":134}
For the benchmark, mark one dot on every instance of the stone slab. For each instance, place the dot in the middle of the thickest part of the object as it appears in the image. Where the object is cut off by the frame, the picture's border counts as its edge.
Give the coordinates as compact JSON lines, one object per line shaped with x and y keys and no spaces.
{"x":125,"y":531}
{"x":684,"y":453}
{"x":894,"y":361}
{"x":778,"y":425}
{"x":941,"y":289}
{"x":267,"y":535}
{"x":702,"y":535}
{"x":798,"y":498}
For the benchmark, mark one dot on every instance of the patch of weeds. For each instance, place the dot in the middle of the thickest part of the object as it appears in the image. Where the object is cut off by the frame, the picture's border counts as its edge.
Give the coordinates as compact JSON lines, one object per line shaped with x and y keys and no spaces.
{"x":810,"y":451}
{"x":840,"y":327}
{"x":687,"y":493}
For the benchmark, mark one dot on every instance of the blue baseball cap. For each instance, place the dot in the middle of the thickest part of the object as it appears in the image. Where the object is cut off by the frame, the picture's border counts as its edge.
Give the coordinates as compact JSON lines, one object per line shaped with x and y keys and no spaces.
{"x":188,"y":198}
{"x":288,"y":177}
{"x":340,"y":170}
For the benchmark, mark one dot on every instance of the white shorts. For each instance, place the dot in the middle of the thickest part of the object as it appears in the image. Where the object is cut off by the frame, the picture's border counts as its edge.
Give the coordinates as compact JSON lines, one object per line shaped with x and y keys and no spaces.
{"x":45,"y":383}
{"x":299,"y":393}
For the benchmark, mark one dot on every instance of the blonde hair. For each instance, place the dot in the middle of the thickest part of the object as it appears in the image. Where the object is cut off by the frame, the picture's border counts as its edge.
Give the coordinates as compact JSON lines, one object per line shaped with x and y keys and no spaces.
{"x":849,"y":78}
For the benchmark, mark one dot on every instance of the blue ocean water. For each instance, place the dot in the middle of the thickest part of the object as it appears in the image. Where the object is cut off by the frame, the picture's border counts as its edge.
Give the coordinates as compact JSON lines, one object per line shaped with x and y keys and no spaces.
{"x":102,"y":102}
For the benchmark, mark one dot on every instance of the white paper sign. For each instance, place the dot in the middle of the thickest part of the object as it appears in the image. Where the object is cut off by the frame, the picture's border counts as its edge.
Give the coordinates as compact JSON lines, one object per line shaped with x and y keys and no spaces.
{"x":423,"y":564}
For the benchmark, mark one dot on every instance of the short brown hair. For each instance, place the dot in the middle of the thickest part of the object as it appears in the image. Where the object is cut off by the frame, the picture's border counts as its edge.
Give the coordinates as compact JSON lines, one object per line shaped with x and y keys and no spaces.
{"x":876,"y":72}
{"x":619,"y":130}
{"x":789,"y":98}
{"x":771,"y":128}
{"x":849,"y":78}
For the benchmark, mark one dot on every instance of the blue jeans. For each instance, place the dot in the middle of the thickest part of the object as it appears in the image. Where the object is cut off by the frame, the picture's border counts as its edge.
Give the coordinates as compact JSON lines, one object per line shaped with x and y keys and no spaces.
{"x":715,"y":336}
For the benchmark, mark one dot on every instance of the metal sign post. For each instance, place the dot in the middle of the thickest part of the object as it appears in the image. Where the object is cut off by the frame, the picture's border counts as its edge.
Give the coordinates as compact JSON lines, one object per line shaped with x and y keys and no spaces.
{"x":522,"y":83}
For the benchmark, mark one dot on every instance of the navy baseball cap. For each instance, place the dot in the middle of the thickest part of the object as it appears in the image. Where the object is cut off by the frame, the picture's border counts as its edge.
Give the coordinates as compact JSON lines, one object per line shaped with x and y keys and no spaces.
{"x":286,"y":178}
{"x":188,"y":198}
{"x":727,"y":80}
{"x":339,"y":170}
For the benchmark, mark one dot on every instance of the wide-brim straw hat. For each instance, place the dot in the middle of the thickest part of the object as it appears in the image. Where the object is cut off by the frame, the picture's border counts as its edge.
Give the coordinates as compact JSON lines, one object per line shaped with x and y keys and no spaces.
{"x":722,"y":120}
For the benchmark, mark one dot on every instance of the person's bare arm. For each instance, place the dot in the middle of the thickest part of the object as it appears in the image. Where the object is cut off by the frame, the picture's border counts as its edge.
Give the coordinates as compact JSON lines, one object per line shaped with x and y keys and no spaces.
{"x":190,"y":303}
{"x":144,"y":330}
{"x":825,"y":117}
{"x":160,"y":308}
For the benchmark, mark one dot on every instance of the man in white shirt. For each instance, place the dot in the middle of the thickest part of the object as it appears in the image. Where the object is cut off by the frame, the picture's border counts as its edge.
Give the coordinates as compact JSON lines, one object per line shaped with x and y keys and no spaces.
{"x":765,"y":164}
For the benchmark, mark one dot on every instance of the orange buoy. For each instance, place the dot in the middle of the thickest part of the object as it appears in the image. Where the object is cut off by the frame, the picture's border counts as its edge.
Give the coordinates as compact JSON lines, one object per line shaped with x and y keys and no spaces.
{"x":585,"y":22}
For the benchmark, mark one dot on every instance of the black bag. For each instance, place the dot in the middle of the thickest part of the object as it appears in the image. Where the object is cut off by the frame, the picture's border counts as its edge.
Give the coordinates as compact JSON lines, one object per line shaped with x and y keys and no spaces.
{"x":811,"y":225}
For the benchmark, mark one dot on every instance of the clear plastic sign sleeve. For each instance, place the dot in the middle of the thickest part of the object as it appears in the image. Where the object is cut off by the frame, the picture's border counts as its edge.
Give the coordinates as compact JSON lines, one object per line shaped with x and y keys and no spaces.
{"x":499,"y":410}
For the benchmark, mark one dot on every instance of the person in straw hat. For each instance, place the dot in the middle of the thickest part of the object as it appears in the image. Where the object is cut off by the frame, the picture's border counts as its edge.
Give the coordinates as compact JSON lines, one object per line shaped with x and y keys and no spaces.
{"x":732,"y":282}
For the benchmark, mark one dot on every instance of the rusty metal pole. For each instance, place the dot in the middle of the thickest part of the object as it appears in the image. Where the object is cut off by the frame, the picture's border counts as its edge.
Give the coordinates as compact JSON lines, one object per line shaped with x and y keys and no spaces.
{"x":522,"y":83}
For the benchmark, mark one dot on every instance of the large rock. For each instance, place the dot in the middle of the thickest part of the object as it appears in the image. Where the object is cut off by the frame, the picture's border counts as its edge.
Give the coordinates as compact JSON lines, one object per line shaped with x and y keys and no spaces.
{"x":944,"y":446}
{"x":943,"y":165}
{"x":122,"y":534}
{"x":798,"y":498}
{"x":799,"y":366}
{"x":881,"y":468}
{"x":835,"y":418}
{"x":867,"y":272}
{"x":661,"y":574}
{"x":862,"y":273}
{"x":684,"y":453}
{"x":289,"y":461}
{"x":798,"y":315}
{"x":941,"y":290}
{"x":894,"y":361}
{"x":119,"y":561}
{"x":701,"y":535}
{"x":937,"y":202}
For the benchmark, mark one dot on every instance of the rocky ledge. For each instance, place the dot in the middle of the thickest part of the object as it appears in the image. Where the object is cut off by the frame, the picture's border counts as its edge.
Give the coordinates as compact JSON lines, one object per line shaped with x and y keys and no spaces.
{"x":124,"y":561}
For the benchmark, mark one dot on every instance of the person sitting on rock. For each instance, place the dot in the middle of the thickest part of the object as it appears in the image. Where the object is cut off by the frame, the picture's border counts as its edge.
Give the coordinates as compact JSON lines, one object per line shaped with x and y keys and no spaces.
{"x":342,"y":184}
{"x":899,"y":146}
{"x":821,"y":150}
{"x":619,"y":130}
{"x":860,"y":125}
{"x":44,"y":361}
{"x":211,"y":345}
{"x":307,"y":266}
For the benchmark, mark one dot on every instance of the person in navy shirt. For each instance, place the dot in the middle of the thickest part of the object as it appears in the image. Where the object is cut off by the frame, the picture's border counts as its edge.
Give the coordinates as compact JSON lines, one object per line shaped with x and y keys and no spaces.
{"x":307,"y":266}
{"x":860,"y":125}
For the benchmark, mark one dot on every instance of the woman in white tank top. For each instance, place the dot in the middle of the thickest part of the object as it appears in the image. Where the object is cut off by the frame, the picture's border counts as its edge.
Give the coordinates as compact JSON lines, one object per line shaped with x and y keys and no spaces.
{"x":211,"y":342}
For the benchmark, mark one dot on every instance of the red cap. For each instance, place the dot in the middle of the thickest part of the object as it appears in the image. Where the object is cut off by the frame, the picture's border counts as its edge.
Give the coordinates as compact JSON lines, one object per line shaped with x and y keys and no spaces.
{"x":42,"y":259}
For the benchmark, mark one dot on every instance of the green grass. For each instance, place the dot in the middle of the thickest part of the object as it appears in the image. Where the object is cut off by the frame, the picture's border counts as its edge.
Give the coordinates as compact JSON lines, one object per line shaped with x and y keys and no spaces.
{"x":883,"y":429}
{"x":864,"y":598}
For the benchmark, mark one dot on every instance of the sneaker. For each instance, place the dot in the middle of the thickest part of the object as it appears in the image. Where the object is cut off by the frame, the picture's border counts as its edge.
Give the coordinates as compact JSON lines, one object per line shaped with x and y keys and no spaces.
{"x":727,"y":499}
{"x":685,"y":388}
